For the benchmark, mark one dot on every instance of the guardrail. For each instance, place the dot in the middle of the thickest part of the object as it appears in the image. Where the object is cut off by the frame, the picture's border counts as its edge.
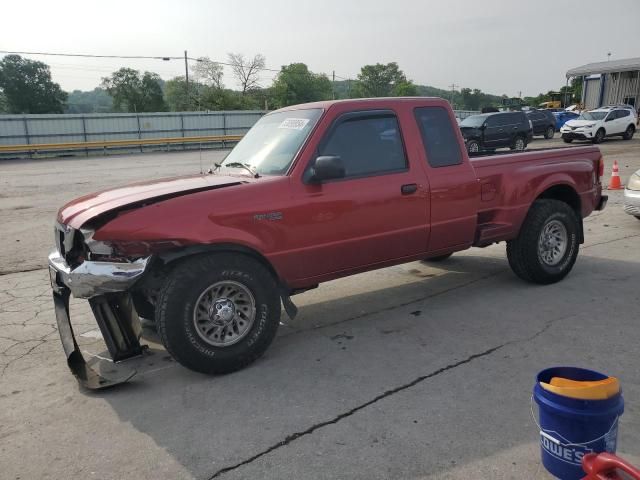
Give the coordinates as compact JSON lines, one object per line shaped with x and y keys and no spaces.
{"x":105,"y":144}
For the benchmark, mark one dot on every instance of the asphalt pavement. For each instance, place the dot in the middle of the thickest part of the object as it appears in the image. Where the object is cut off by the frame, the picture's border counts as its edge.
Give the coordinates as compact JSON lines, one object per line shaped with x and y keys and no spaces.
{"x":414,"y":371}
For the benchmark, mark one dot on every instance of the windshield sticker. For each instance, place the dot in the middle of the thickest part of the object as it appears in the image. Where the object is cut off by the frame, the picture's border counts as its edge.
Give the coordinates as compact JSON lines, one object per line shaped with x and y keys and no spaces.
{"x":294,"y":123}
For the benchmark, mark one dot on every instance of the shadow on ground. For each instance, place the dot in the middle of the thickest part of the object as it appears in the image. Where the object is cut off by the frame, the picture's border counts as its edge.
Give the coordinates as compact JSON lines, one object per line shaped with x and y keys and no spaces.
{"x":372,"y":366}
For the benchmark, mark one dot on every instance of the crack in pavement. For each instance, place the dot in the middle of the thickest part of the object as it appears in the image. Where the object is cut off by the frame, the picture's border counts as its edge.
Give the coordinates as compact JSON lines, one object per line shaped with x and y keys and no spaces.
{"x":610,"y":241}
{"x":296,"y":435}
{"x":394,"y":306}
{"x":26,"y":270}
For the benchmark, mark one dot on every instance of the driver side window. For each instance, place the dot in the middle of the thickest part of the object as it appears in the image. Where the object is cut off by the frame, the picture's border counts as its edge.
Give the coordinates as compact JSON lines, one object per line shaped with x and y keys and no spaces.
{"x":367,"y":144}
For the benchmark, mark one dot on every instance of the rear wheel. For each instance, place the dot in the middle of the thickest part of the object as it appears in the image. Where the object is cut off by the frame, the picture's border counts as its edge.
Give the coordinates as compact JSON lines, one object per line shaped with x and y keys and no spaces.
{"x":549,"y":133}
{"x":628,"y":133}
{"x":547,"y":247}
{"x":600,"y":134}
{"x":218,"y":313}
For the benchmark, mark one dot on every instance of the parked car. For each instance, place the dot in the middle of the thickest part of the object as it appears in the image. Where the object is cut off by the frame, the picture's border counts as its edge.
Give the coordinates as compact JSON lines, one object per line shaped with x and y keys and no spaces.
{"x":543,"y":122}
{"x":596,"y":125}
{"x":489,"y":131}
{"x":563,"y":117}
{"x":632,"y":195}
{"x":311,"y":193}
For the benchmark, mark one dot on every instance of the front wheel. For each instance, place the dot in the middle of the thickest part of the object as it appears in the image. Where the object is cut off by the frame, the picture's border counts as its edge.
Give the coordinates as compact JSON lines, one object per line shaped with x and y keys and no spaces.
{"x":473,"y":146}
{"x":547,"y":247}
{"x":549,"y":133}
{"x":600,"y":134}
{"x":628,"y":133}
{"x":218,"y":313}
{"x":519,"y":144}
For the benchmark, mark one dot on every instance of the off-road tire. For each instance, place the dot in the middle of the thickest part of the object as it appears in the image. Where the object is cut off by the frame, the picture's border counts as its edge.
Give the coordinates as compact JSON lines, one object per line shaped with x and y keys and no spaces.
{"x":599,"y":136}
{"x":628,"y":133}
{"x":549,"y":133}
{"x":522,"y":252}
{"x":177,"y":300}
{"x":439,"y":258}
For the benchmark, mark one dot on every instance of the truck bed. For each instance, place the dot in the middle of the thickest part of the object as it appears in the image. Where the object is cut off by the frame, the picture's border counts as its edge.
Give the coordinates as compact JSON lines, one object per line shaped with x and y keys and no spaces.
{"x":510,"y":182}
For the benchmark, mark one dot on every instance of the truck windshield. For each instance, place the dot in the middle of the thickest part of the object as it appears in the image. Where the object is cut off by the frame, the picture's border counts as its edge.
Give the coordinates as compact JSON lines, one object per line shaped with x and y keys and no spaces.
{"x":592,"y":115}
{"x":473,"y":121}
{"x":272,"y":143}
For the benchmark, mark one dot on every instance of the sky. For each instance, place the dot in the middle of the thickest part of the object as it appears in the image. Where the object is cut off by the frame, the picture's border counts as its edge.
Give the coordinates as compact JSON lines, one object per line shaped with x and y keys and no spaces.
{"x":507,"y":47}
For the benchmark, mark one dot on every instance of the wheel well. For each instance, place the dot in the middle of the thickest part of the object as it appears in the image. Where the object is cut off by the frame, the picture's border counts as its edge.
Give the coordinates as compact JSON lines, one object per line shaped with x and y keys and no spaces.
{"x":565,"y":194}
{"x":568,"y":195}
{"x":170,"y":258}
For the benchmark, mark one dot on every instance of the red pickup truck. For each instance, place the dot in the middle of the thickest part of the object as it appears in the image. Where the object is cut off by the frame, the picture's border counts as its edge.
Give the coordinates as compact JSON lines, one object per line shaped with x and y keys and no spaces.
{"x":312,"y":193}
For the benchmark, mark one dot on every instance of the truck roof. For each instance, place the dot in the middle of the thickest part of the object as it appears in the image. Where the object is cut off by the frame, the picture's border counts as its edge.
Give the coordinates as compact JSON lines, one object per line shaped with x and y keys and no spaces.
{"x":388,"y":101}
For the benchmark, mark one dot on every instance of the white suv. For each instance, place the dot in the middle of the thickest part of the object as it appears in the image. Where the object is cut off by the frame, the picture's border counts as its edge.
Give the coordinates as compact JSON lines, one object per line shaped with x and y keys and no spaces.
{"x":603,"y":122}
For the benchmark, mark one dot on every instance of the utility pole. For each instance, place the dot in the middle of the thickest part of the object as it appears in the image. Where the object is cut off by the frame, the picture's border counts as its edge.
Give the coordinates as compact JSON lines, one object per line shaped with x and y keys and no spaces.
{"x":520,"y":94}
{"x":333,"y":85}
{"x":453,"y":88}
{"x":186,"y":77}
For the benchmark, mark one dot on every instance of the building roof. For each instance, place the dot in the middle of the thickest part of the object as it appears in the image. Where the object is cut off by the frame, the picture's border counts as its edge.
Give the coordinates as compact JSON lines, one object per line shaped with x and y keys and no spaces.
{"x":622,"y":65}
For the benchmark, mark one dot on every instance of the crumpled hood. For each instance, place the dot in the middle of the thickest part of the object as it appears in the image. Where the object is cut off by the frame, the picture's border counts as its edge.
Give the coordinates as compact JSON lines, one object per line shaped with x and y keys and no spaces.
{"x":79,"y":211}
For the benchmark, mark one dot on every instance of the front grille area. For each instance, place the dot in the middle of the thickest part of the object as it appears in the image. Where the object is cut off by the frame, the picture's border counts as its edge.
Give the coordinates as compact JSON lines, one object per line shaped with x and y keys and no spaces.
{"x":68,"y":243}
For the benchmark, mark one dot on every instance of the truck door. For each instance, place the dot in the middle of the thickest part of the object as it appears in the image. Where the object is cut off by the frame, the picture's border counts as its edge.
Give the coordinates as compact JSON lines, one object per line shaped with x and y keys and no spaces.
{"x":454,"y":188}
{"x":376,"y":213}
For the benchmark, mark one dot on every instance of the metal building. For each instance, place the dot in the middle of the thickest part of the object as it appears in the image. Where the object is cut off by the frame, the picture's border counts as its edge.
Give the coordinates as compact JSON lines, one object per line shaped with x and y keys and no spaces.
{"x":608,"y":83}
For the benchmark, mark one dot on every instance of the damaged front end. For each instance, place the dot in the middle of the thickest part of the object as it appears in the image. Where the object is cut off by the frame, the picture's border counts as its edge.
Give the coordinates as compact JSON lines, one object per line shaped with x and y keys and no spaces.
{"x":78,"y":266}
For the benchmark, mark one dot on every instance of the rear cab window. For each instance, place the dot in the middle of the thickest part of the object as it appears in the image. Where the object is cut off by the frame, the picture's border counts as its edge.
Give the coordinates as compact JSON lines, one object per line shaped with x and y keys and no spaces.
{"x":439,"y":139}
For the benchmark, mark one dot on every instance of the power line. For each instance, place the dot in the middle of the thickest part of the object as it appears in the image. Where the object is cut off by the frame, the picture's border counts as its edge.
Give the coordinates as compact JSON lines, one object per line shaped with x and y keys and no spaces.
{"x":146,"y":57}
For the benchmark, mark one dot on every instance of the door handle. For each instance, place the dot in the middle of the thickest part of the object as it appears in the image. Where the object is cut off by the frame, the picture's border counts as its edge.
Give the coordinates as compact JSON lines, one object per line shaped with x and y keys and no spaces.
{"x":409,"y":188}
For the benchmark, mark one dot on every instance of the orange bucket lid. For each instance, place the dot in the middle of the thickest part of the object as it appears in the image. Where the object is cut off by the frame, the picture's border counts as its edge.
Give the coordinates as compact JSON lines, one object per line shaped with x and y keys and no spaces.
{"x":583,"y":390}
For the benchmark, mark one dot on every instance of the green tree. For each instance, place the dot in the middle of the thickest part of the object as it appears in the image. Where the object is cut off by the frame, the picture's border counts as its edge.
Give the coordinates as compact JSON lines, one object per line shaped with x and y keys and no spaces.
{"x":296,"y":84}
{"x":225,"y":99}
{"x":4,"y":108}
{"x":472,"y":99}
{"x":383,"y":81}
{"x":94,"y":101}
{"x":405,"y":89}
{"x":133,"y":92}
{"x":175,"y":94}
{"x":27,"y":86}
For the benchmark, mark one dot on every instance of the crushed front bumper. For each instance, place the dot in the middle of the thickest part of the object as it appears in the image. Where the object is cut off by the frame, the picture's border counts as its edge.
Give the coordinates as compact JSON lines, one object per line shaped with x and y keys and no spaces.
{"x":105,"y":285}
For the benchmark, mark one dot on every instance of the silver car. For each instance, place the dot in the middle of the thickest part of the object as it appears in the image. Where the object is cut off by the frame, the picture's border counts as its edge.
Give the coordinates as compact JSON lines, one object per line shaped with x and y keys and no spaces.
{"x":632,"y":196}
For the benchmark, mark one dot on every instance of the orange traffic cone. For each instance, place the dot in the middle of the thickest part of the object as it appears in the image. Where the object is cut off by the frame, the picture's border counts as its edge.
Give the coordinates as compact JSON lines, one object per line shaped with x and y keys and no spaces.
{"x":614,"y":183}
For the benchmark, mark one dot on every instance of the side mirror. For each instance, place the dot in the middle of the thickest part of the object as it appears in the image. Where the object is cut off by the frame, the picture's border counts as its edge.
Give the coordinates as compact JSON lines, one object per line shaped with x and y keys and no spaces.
{"x":483,"y":126}
{"x":609,"y":118}
{"x":327,"y":167}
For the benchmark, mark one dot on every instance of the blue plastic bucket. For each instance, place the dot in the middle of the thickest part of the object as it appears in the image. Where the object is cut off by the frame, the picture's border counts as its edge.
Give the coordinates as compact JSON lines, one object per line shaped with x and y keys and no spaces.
{"x":571,"y":428}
